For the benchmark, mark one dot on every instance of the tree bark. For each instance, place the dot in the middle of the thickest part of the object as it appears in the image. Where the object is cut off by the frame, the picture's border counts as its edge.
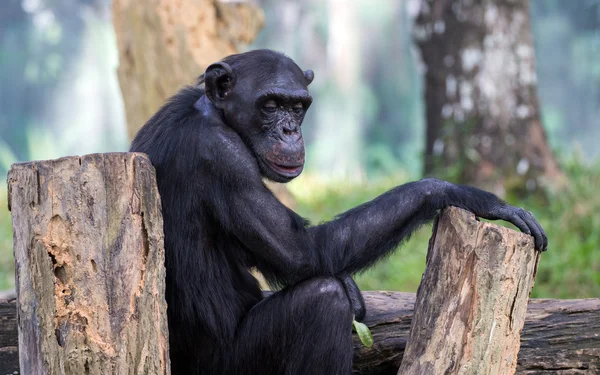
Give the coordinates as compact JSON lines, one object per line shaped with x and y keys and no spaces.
{"x":472,"y":299}
{"x":9,"y":344}
{"x":560,"y":337}
{"x":165,"y":44}
{"x":89,"y":261}
{"x":483,"y":115}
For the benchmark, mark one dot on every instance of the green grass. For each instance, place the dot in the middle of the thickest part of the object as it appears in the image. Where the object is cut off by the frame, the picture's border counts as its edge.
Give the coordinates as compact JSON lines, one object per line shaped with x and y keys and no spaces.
{"x":569,"y":269}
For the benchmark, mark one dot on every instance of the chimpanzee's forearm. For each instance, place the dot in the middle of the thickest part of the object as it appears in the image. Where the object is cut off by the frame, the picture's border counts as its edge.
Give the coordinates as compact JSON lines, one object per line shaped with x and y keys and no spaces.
{"x":359,"y":237}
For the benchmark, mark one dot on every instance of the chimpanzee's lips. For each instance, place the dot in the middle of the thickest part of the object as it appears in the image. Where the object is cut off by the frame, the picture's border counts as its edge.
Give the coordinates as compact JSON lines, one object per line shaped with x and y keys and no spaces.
{"x":286,"y":170}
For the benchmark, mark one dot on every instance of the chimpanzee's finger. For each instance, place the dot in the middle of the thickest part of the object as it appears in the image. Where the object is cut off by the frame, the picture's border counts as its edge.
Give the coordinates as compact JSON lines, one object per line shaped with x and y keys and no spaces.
{"x":541,"y":238}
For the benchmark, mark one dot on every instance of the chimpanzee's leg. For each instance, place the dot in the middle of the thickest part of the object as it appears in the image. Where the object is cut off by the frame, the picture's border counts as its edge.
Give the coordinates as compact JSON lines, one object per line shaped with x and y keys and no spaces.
{"x":304,"y":329}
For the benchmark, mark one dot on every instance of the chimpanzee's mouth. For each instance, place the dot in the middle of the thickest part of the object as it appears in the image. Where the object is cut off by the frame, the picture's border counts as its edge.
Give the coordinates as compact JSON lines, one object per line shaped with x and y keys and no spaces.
{"x":286,"y":170}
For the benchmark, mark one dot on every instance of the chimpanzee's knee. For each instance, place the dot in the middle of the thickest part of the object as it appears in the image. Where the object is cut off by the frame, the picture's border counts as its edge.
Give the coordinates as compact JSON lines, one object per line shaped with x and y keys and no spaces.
{"x":327,"y":293}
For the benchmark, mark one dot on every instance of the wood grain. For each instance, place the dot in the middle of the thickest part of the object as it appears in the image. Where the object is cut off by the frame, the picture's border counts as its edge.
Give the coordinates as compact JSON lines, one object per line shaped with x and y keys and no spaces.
{"x":89,"y":261}
{"x":472,"y":300}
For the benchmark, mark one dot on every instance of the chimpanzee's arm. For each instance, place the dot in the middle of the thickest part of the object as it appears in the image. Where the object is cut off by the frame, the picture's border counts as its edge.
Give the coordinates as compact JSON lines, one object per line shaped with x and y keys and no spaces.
{"x":288,"y":251}
{"x":362,"y":235}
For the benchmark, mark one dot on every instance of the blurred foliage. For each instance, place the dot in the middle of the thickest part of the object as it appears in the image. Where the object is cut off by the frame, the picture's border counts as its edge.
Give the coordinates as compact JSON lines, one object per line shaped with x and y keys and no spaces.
{"x":571,"y":218}
{"x":55,"y":98}
{"x":567,"y":45}
{"x":58,"y":87}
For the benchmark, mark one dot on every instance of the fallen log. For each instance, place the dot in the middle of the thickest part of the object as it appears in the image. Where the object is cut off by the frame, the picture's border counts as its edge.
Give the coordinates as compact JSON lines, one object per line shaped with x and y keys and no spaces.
{"x":559,"y":336}
{"x":9,"y":345}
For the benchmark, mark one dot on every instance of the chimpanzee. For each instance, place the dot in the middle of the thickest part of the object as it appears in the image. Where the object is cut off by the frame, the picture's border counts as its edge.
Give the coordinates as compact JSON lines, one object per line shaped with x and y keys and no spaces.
{"x":212,"y":145}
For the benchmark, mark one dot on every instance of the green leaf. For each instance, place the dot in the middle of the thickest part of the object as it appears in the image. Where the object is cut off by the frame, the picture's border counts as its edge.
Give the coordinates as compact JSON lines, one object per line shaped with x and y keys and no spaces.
{"x":364,"y":334}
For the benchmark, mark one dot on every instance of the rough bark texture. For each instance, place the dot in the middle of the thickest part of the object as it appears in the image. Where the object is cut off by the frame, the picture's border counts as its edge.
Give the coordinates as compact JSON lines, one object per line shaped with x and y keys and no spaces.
{"x":472,"y":300}
{"x":559,"y":337}
{"x":165,"y":44}
{"x":89,"y":262}
{"x":9,"y":344}
{"x":483,"y":114}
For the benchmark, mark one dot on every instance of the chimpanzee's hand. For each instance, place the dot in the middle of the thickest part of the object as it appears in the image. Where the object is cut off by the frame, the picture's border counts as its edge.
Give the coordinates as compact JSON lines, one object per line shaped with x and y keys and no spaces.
{"x":522,"y":219}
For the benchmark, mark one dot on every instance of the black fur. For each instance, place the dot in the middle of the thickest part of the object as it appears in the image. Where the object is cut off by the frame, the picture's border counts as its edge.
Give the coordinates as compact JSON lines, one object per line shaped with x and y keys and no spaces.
{"x":211,"y":153}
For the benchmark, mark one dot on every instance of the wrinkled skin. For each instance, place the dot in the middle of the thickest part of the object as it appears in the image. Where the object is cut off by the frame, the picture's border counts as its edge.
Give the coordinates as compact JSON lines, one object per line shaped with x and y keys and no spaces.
{"x":211,"y":148}
{"x":272,"y":129}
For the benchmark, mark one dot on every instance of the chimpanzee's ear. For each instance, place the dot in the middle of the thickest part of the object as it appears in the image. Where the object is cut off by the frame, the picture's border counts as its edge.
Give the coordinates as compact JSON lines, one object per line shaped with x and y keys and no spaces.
{"x":218,"y":81}
{"x":309,"y":75}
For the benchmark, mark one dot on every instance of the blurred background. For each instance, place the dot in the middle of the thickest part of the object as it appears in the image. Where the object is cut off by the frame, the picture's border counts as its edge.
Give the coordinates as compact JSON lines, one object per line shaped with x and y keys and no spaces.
{"x":501,"y":94}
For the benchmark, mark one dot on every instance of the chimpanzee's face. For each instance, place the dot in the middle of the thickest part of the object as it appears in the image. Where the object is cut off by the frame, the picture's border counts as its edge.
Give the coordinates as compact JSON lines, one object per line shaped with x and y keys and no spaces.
{"x":266,"y":109}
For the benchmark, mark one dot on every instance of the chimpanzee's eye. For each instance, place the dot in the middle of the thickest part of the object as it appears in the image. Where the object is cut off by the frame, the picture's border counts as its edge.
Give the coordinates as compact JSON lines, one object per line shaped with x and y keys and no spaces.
{"x":298,"y":108}
{"x":270,"y":106}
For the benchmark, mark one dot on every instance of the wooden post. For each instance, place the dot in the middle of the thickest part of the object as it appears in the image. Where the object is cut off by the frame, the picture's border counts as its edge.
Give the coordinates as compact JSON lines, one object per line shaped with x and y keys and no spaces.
{"x":89,"y":259}
{"x":471,"y":303}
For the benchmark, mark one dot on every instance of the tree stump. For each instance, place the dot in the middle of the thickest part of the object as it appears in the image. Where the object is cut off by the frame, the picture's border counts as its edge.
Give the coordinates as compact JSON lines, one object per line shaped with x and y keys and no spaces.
{"x":471,"y":303}
{"x":89,"y":259}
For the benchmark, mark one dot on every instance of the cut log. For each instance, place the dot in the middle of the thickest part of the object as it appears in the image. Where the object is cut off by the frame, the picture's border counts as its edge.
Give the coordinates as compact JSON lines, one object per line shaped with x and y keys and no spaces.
{"x":559,"y":337}
{"x":89,"y":261}
{"x":472,"y":299}
{"x":9,"y":345}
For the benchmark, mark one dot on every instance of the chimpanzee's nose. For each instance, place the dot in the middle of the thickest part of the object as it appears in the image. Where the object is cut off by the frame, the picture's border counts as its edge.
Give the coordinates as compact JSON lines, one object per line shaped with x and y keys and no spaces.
{"x":290,"y":129}
{"x":291,"y":133}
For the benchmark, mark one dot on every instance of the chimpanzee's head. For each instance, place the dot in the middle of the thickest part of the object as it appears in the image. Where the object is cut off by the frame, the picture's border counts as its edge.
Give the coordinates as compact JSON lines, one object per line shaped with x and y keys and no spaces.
{"x":263,"y":96}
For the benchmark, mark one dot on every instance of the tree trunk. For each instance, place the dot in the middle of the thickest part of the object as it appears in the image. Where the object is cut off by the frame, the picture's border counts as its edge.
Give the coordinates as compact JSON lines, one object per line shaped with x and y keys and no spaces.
{"x":89,"y":261}
{"x":165,"y":44}
{"x":472,"y":299}
{"x":483,"y":115}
